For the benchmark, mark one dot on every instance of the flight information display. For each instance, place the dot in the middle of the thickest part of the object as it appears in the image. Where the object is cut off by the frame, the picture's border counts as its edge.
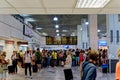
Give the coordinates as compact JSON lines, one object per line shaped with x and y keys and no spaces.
{"x":72,"y":40}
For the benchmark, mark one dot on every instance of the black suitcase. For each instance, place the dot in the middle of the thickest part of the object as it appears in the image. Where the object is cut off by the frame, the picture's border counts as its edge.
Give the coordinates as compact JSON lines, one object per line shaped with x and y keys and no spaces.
{"x":11,"y":69}
{"x":34,"y":68}
{"x":68,"y":74}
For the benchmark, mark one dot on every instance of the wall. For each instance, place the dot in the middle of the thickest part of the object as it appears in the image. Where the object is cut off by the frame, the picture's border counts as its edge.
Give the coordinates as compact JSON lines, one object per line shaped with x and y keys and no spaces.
{"x":12,"y":29}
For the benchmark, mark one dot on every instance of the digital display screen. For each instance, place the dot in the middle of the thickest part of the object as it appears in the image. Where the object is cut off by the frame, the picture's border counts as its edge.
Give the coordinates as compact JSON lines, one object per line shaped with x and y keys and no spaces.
{"x":102,"y":43}
{"x":72,"y":40}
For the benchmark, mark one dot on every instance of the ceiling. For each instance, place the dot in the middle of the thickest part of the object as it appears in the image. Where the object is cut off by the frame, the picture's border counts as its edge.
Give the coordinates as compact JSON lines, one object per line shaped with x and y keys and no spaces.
{"x":53,"y":7}
{"x":67,"y":24}
{"x":69,"y":17}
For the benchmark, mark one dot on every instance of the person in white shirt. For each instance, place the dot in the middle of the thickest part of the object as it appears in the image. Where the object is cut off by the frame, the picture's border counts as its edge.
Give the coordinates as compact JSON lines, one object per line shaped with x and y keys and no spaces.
{"x":27,"y":61}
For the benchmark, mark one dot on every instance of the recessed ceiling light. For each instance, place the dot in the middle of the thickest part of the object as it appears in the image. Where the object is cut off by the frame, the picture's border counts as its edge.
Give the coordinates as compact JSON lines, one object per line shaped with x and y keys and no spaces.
{"x":91,"y":3}
{"x":56,"y":26}
{"x":39,"y":28}
{"x":57,"y":30}
{"x":55,"y":19}
{"x":98,"y":30}
{"x":58,"y":34}
{"x":30,"y":20}
{"x":86,"y":23}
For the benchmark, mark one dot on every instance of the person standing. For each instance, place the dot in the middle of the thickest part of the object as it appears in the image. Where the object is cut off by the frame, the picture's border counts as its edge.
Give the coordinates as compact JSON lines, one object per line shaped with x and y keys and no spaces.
{"x":77,"y":56}
{"x":27,"y":61}
{"x":14,"y":61}
{"x":38,"y":56}
{"x":89,"y":68}
{"x":54,"y":57}
{"x":117,"y":72}
{"x":3,"y":64}
{"x":67,"y":66}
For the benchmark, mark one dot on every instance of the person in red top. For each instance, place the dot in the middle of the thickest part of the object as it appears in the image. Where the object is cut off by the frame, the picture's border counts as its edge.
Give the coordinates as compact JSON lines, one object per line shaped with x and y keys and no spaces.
{"x":117,"y":73}
{"x":81,"y":59}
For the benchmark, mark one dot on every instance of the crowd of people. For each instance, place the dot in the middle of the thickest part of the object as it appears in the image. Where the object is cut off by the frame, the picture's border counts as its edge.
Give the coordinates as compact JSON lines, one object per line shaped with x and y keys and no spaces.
{"x":35,"y":60}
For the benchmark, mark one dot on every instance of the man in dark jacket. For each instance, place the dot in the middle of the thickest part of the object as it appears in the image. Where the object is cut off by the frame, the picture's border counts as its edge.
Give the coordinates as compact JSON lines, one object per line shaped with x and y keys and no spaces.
{"x":89,"y":68}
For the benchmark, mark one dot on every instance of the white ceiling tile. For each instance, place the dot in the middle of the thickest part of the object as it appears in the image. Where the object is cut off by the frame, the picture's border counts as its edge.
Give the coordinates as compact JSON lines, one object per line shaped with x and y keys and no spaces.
{"x":3,"y":3}
{"x":86,"y":11}
{"x":25,"y":3}
{"x":59,"y":3}
{"x":8,"y":11}
{"x":59,"y":11}
{"x":31,"y":11}
{"x":113,"y":4}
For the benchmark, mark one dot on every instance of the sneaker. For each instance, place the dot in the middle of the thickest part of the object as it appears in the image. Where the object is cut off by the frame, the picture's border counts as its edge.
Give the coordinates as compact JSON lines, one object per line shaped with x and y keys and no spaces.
{"x":30,"y":77}
{"x":26,"y":76}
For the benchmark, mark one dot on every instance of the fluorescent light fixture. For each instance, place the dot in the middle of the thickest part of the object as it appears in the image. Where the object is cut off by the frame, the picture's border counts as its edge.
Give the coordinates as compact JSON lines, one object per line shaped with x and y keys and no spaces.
{"x":57,"y":30}
{"x":24,"y":45}
{"x":24,"y":15}
{"x":63,"y":35}
{"x":81,"y":29}
{"x":39,"y":28}
{"x":64,"y":30}
{"x":58,"y":34}
{"x":91,"y":3}
{"x":98,"y":30}
{"x":30,"y":20}
{"x":45,"y":34}
{"x":55,"y":19}
{"x":86,"y":23}
{"x":56,"y":26}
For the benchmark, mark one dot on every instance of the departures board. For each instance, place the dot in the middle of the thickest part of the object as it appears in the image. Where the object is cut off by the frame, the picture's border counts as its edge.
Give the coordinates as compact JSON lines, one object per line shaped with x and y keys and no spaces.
{"x":72,"y":40}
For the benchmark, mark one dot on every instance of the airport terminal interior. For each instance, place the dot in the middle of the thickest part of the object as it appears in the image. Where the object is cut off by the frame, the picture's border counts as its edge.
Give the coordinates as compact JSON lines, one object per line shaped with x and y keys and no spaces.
{"x":53,"y":39}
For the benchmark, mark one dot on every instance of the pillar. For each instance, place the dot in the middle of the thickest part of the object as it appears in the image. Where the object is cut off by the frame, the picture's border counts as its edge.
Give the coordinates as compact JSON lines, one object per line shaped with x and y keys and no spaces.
{"x":93,"y":31}
{"x":85,"y":36}
{"x":79,"y":36}
{"x":113,"y":39}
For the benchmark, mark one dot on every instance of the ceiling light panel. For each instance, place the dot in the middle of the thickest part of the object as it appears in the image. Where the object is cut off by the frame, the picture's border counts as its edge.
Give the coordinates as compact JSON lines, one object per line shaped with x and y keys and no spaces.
{"x":25,"y":3}
{"x":57,"y":30}
{"x":4,"y":4}
{"x":31,"y":11}
{"x":91,"y":3}
{"x":59,"y":3}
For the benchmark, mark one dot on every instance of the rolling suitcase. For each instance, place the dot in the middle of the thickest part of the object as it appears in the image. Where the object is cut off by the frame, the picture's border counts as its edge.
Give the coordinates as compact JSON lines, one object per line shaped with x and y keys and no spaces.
{"x":11,"y":69}
{"x":34,"y":68}
{"x":68,"y":74}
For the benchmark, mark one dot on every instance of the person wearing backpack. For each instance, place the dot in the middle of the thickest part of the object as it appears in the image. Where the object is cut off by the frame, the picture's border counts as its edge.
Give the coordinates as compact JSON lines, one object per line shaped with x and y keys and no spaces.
{"x":89,"y":71}
{"x":38,"y":56}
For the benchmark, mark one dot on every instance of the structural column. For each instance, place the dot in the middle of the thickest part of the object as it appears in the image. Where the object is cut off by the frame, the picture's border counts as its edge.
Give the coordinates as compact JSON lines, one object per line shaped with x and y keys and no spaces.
{"x":113,"y":37}
{"x":93,"y":31}
{"x":79,"y":36}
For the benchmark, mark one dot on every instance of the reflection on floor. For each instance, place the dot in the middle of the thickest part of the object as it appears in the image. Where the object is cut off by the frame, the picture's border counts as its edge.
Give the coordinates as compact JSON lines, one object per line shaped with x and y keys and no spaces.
{"x":56,"y":74}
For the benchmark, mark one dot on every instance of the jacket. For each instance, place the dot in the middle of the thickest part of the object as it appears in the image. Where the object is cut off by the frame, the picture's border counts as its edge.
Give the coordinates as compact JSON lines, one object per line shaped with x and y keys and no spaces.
{"x":89,"y":71}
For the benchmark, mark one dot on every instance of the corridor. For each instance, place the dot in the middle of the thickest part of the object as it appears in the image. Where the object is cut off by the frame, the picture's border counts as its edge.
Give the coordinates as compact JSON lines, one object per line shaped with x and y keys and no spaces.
{"x":57,"y":74}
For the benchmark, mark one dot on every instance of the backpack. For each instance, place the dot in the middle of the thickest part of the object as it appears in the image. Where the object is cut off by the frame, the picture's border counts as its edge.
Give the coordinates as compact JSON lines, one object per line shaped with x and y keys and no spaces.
{"x":86,"y":67}
{"x":38,"y":56}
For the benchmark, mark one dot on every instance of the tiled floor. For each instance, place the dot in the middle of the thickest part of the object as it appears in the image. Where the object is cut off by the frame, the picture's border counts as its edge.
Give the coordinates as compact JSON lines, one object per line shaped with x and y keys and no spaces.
{"x":56,"y":74}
